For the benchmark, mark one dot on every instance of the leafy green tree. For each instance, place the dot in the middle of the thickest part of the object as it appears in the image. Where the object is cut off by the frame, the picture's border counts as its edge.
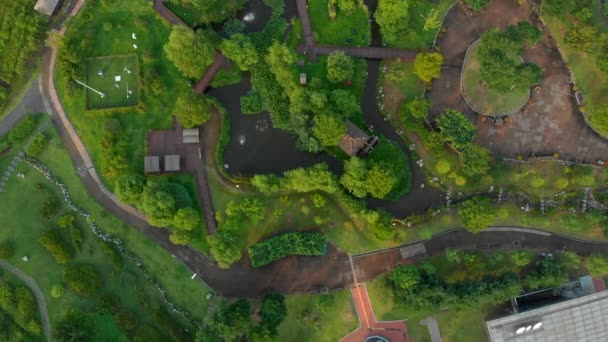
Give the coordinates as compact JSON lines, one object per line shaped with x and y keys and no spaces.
{"x":22,"y":130}
{"x":233,"y":321}
{"x":475,"y":160}
{"x":348,"y":6}
{"x":345,"y":102}
{"x":477,"y":5}
{"x":281,"y":60}
{"x":329,"y":129}
{"x":240,"y":49}
{"x":380,"y":180}
{"x":453,"y":255}
{"x":406,"y":277}
{"x":315,"y":178}
{"x":189,"y":51}
{"x":521,"y":258}
{"x":428,"y":65}
{"x":559,"y":8}
{"x":393,"y":18}
{"x":273,"y":312}
{"x":129,"y":188}
{"x":192,"y":110}
{"x":528,"y":74}
{"x":186,"y":219}
{"x":582,"y":37}
{"x":54,"y":244}
{"x":549,"y":273}
{"x":75,"y":326}
{"x":340,"y":67}
{"x":597,"y":265}
{"x":354,"y":176}
{"x":159,"y":206}
{"x":66,"y":221}
{"x":458,"y":130}
{"x":225,"y":248}
{"x":476,"y":214}
{"x":83,"y":279}
{"x":418,"y":107}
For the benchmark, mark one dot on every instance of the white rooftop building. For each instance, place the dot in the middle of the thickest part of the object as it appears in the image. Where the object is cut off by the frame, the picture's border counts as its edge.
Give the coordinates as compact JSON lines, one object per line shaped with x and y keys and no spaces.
{"x":581,"y":319}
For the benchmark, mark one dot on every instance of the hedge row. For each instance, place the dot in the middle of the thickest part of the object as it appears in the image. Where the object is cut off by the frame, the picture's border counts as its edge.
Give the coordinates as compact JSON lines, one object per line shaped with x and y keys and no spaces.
{"x":281,"y":246}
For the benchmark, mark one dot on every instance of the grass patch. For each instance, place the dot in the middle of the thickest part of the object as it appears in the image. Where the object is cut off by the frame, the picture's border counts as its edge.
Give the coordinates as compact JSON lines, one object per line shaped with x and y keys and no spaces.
{"x":592,"y":82}
{"x":481,"y":97}
{"x":24,"y":224}
{"x":318,"y":318}
{"x":116,"y":77}
{"x":87,"y":37}
{"x":339,"y":31}
{"x":416,"y":37}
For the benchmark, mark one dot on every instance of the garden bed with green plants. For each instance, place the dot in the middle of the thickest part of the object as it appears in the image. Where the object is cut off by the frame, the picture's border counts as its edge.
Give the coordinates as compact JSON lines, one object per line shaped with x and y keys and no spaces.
{"x":284,"y":245}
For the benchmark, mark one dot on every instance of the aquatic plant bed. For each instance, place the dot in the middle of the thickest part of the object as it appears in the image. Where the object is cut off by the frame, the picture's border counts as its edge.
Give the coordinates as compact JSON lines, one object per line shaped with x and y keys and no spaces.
{"x":284,"y":245}
{"x":113,"y":82}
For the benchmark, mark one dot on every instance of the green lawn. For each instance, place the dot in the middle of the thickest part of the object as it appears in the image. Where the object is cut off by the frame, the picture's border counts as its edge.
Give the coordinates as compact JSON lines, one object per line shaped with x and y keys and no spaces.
{"x":87,"y":36}
{"x":592,"y":82}
{"x":184,"y":11}
{"x":481,"y":97}
{"x":418,"y":37}
{"x":323,"y":318}
{"x":339,"y":30}
{"x":116,"y":77}
{"x":24,"y":225}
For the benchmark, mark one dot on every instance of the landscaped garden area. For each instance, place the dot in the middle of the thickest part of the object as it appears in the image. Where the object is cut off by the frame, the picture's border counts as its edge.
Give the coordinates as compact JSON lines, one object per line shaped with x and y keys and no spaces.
{"x":340,"y":22}
{"x":115,"y":296}
{"x":115,"y":82}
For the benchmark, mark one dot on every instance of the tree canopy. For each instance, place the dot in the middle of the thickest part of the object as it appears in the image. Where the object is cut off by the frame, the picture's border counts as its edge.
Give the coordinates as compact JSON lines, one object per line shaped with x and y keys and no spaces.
{"x":428,"y":65}
{"x":213,"y":11}
{"x":329,"y":129}
{"x":240,"y":49}
{"x":393,"y":18}
{"x":475,"y":160}
{"x":192,"y":110}
{"x":476,"y":214}
{"x":457,"y":129}
{"x":189,"y":51}
{"x":340,"y":67}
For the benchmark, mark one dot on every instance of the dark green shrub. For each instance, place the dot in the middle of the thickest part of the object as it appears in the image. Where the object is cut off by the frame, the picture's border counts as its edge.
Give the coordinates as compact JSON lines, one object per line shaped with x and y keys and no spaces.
{"x":251,"y":103}
{"x":54,"y":244}
{"x":284,"y":245}
{"x":6,"y":250}
{"x":83,"y":279}
{"x":50,"y":207}
{"x":37,"y":145}
{"x":23,"y":130}
{"x":113,"y":255}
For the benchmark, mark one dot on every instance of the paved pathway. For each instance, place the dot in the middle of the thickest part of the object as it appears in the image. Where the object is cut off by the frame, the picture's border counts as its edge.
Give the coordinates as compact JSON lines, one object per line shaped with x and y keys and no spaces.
{"x":204,"y":82}
{"x":395,"y":331}
{"x":313,"y":50}
{"x":31,"y":103}
{"x":166,"y":14}
{"x":431,"y":323}
{"x":44,"y":314}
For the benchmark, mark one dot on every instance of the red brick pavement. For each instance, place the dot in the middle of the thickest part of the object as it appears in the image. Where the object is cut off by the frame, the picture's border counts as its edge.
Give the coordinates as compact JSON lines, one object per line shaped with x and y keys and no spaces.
{"x":394,"y":331}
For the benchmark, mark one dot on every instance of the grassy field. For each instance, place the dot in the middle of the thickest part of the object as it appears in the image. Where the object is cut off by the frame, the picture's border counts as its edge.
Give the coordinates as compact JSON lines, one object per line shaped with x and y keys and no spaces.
{"x":402,"y":90}
{"x":119,"y":81}
{"x":419,"y":38}
{"x":589,"y":78}
{"x":87,"y":36}
{"x":340,"y":30}
{"x":324,"y":318}
{"x":484,"y":99}
{"x":24,"y":225}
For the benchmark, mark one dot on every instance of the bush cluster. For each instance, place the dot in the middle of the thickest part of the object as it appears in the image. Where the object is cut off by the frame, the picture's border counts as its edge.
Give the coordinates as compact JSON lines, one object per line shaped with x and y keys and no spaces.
{"x":284,"y":245}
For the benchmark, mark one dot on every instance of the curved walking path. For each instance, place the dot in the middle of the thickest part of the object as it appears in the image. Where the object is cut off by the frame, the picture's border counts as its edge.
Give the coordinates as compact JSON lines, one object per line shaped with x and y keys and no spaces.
{"x":44,"y":314}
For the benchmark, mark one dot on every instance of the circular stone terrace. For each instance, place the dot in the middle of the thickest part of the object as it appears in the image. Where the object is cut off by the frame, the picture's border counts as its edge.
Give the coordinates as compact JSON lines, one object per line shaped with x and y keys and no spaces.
{"x":479,"y":96}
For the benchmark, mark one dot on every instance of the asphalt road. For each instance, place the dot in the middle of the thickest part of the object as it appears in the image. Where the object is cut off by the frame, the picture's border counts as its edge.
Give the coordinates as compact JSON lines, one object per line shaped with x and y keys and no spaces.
{"x":31,"y":103}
